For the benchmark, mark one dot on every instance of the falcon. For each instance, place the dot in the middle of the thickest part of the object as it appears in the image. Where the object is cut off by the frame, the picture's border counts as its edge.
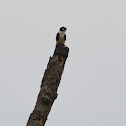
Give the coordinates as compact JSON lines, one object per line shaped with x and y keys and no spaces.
{"x":61,"y":36}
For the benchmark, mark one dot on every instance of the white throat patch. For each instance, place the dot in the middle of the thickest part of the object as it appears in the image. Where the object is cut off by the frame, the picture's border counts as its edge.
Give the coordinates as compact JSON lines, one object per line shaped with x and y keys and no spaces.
{"x":61,"y":33}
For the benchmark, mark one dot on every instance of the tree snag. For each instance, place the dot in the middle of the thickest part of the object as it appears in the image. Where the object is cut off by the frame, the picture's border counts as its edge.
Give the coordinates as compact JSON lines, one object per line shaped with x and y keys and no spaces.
{"x":49,"y":86}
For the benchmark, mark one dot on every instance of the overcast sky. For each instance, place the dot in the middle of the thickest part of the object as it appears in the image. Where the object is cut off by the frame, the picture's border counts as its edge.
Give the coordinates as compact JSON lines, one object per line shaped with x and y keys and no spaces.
{"x":92,"y":91}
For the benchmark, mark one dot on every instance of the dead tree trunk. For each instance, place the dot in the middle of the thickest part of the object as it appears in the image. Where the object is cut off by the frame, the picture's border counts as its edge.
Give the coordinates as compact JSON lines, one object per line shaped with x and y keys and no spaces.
{"x":49,"y":86}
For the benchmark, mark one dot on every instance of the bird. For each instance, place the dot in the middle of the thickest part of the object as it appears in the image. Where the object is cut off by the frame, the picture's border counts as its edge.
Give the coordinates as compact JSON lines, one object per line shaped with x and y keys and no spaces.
{"x":61,"y":36}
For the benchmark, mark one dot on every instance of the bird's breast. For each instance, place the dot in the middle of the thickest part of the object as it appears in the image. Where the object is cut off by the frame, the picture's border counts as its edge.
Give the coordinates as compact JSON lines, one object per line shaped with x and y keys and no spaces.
{"x":61,"y":39}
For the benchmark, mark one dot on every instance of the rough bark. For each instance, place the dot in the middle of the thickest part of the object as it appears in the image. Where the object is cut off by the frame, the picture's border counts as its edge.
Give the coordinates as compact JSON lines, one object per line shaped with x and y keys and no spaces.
{"x":49,"y":86}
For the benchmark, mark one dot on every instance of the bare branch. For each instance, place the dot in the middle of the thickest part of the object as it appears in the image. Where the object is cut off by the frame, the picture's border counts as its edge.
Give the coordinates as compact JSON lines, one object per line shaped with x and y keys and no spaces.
{"x":49,"y":86}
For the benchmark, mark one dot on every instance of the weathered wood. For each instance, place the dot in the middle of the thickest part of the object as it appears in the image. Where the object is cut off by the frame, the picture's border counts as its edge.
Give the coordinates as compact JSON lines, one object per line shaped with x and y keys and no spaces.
{"x":49,"y":86}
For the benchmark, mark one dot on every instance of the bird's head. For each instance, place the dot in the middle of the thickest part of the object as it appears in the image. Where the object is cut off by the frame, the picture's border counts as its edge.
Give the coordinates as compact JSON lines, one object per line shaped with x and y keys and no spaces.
{"x":63,"y":29}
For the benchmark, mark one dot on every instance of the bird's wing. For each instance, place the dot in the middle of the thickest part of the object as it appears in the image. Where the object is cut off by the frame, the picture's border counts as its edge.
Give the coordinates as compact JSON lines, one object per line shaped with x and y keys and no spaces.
{"x":64,"y":37}
{"x":57,"y":36}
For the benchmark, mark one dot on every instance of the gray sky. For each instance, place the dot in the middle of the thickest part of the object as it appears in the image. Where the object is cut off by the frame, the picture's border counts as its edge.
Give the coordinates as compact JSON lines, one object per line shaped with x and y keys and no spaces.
{"x":92,"y":91}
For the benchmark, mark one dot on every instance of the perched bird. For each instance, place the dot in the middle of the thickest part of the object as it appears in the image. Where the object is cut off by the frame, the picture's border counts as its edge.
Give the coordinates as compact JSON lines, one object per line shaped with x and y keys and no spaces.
{"x":61,"y":36}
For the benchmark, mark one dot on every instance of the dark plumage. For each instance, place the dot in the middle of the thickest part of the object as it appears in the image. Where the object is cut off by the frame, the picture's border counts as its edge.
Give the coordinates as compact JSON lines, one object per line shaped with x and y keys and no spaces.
{"x":57,"y":36}
{"x":65,"y":37}
{"x":63,"y":29}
